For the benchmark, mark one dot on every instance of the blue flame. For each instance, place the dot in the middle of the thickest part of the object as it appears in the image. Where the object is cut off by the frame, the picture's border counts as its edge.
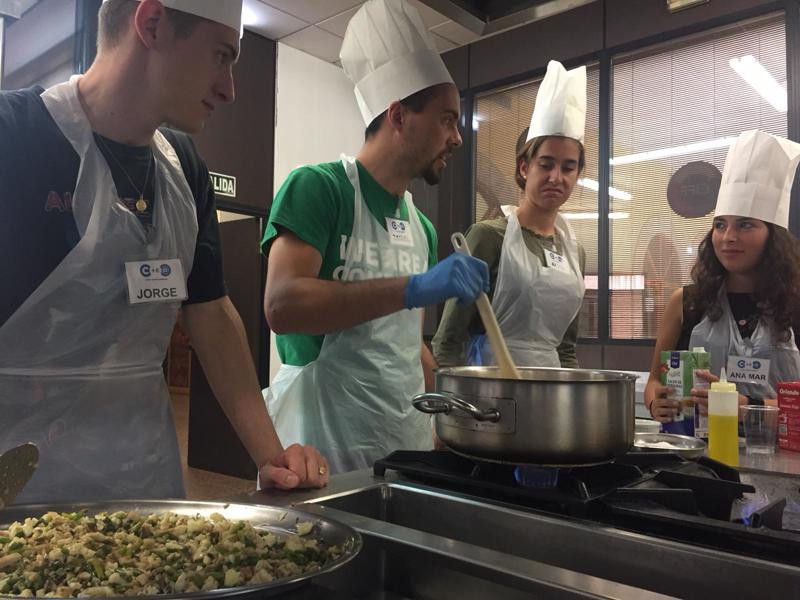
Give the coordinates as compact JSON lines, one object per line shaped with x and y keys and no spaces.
{"x":536,"y":477}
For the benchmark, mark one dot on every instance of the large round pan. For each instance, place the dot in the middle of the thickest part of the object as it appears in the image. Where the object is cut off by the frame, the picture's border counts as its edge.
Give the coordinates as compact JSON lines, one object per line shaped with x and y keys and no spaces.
{"x":561,"y":417}
{"x":276,"y":519}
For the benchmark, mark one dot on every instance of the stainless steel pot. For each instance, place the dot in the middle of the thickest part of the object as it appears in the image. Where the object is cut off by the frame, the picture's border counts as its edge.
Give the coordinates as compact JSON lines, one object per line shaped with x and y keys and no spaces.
{"x":549,"y":417}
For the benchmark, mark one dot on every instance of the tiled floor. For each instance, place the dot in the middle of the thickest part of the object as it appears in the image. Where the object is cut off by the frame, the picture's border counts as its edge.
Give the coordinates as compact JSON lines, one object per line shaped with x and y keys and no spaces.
{"x":200,"y":484}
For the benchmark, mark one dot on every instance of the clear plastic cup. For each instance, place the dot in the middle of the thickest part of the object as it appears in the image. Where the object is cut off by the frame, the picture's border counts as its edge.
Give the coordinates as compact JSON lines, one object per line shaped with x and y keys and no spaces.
{"x":760,"y":428}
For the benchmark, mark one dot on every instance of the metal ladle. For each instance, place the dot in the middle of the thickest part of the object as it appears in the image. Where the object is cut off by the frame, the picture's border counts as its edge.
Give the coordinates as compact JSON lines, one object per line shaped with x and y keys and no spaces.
{"x":504,"y":360}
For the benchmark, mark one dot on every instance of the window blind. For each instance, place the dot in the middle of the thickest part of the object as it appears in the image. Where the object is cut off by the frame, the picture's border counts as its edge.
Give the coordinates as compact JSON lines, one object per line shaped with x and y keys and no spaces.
{"x":684,"y":102}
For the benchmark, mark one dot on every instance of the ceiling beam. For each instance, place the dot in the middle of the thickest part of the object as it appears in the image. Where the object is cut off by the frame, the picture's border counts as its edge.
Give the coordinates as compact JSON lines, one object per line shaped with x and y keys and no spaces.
{"x":15,"y":8}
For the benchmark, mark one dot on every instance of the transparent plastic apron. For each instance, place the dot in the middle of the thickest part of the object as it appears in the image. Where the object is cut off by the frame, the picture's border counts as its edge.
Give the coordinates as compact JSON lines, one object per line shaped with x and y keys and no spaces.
{"x":721,"y":338}
{"x":534,"y":304}
{"x":80,"y":368}
{"x":354,"y":401}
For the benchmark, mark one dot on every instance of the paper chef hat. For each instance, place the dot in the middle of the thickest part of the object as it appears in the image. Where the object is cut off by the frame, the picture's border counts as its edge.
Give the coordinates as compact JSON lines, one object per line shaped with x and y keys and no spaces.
{"x":757,"y":178}
{"x":227,"y":12}
{"x":560,"y":107}
{"x":389,"y":55}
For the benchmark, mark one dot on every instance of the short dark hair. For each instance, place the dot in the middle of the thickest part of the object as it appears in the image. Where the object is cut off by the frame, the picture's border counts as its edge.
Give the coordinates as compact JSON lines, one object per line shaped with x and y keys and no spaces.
{"x":526,"y":150}
{"x":416,"y":103}
{"x":115,"y":16}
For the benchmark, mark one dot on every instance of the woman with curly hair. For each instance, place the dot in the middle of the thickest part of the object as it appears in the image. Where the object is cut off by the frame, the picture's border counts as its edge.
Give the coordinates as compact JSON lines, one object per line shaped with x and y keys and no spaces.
{"x":742,"y":307}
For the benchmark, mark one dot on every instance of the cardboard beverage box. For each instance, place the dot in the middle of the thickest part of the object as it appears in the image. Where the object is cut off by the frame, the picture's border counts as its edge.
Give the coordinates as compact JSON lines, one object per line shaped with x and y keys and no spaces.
{"x":789,"y":415}
{"x":679,"y":374}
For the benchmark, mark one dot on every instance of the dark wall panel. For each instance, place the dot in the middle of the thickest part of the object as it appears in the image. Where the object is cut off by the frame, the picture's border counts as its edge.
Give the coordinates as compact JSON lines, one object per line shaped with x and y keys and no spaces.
{"x":213,"y":444}
{"x":628,"y":358}
{"x":590,"y":356}
{"x":631,"y":20}
{"x":457,"y":62}
{"x":569,"y":35}
{"x":453,"y":206}
{"x":239,"y":138}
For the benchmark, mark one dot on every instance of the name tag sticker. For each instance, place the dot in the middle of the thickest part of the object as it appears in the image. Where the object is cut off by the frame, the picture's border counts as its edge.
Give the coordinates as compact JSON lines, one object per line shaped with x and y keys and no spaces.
{"x":746,"y":369}
{"x":155,"y":281}
{"x":556,"y":261}
{"x":399,"y":232}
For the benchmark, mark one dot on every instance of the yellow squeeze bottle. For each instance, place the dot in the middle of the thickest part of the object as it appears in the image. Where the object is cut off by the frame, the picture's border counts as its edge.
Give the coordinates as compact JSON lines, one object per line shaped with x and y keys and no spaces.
{"x":723,"y":421}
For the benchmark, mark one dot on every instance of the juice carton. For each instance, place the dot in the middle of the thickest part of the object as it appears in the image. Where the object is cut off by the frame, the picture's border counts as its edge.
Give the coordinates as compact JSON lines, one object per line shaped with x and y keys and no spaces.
{"x":680,"y":375}
{"x":789,"y":415}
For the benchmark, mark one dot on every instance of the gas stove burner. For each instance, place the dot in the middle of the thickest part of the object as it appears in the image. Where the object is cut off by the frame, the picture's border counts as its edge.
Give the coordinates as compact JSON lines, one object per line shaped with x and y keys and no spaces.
{"x":536,"y":477}
{"x":654,"y":493}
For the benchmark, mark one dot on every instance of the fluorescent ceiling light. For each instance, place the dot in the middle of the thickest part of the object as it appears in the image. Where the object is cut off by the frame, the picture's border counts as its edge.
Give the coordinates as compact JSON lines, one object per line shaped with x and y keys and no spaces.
{"x":592,"y":184}
{"x":477,"y":119}
{"x":758,"y":78}
{"x":676,"y":5}
{"x":585,"y":216}
{"x":674,"y":151}
{"x":249,"y":16}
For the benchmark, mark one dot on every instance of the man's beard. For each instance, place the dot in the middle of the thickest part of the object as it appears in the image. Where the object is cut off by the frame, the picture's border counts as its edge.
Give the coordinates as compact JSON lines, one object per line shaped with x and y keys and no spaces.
{"x":430,"y":176}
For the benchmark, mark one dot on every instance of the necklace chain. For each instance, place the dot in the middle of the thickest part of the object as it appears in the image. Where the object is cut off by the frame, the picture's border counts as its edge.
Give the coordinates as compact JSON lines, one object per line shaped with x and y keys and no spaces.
{"x":141,"y":203}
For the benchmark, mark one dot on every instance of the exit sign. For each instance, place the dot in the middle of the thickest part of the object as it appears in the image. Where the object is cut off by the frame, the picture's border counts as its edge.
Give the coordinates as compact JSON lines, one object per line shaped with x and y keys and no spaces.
{"x":224,"y":185}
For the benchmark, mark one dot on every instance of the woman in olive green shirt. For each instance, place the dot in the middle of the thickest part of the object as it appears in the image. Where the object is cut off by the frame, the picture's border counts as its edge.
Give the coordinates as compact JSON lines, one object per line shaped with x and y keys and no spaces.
{"x":540,"y":287}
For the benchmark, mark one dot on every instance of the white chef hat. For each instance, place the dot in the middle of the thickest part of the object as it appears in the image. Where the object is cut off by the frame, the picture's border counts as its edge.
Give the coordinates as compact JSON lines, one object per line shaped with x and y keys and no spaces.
{"x":560,"y":107}
{"x":227,"y":12}
{"x":389,"y":55}
{"x":757,"y":178}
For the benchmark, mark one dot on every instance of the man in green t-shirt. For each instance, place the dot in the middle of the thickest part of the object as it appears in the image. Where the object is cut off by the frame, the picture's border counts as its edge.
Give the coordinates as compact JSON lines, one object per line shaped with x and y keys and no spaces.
{"x":350,"y":257}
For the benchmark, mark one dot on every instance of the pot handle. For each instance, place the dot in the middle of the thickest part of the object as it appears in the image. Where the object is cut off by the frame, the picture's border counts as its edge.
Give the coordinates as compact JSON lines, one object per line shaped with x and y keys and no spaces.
{"x":443,"y":402}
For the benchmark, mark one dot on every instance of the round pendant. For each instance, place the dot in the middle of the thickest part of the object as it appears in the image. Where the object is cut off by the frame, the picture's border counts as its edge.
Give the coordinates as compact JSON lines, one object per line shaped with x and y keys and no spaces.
{"x":141,"y":205}
{"x":742,"y":322}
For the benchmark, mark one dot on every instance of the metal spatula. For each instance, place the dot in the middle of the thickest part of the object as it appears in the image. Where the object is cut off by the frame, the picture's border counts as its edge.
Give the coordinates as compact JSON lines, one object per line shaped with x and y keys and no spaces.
{"x":17,"y":466}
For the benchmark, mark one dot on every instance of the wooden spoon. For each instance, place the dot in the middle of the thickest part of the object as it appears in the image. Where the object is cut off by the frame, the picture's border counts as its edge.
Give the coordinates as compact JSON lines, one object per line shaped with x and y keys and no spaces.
{"x":504,"y":360}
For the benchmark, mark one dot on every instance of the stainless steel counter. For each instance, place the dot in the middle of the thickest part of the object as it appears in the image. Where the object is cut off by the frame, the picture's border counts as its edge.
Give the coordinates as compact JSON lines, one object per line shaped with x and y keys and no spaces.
{"x":422,"y":542}
{"x":783,"y":461}
{"x":774,"y":476}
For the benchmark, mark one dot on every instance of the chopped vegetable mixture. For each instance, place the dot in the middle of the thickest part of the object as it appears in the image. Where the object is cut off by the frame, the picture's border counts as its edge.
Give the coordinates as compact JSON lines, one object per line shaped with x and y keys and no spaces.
{"x":124,"y":553}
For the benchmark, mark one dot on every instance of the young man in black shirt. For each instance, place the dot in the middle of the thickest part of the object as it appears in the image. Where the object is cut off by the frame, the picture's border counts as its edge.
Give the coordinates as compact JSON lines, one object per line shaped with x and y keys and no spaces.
{"x":107,"y":221}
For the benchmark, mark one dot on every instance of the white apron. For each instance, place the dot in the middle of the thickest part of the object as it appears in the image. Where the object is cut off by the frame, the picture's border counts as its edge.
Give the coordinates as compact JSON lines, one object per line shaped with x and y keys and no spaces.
{"x":354,"y":401}
{"x":721,"y":338}
{"x":80,"y":368}
{"x":534,"y":303}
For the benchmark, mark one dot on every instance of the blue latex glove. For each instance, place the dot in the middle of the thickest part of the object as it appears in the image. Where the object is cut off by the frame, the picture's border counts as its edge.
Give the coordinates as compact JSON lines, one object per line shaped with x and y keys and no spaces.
{"x":457,"y":276}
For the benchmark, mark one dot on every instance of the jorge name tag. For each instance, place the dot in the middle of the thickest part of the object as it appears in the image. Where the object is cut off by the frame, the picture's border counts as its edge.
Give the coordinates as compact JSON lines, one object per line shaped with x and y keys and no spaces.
{"x":556,"y":261}
{"x":155,"y":281}
{"x":399,"y":232}
{"x":746,"y":369}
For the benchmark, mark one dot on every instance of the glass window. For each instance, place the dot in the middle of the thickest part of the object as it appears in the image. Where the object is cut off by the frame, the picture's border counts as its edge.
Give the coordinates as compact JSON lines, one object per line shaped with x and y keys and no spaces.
{"x":675,"y":111}
{"x":499,"y":118}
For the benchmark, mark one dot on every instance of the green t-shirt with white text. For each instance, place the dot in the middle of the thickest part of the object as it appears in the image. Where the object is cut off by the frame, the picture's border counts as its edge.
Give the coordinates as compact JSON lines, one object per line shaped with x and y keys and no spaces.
{"x":316,"y":204}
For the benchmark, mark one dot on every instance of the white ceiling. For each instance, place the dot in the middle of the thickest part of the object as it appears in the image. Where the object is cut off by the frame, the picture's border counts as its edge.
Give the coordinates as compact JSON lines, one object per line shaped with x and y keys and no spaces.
{"x":317,"y":26}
